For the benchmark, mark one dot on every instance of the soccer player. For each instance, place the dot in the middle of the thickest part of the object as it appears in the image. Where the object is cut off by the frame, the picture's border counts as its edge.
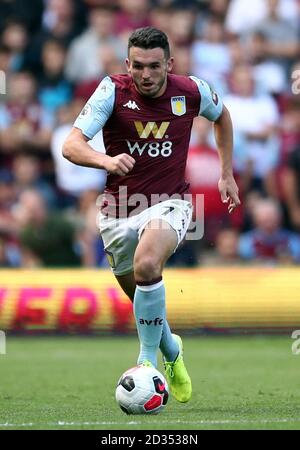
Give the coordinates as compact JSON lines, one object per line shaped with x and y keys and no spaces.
{"x":146,"y":117}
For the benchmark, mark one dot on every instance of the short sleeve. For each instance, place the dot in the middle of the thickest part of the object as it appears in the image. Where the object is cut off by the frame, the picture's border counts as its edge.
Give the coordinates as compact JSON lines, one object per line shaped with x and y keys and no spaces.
{"x":245,"y":247}
{"x":4,"y":120}
{"x":211,"y":105}
{"x":97,"y":110}
{"x":47,"y":119}
{"x":294,"y":246}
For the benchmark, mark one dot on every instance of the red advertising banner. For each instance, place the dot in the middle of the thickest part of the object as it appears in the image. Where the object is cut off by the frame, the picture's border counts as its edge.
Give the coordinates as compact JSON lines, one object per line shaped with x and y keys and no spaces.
{"x":85,"y":301}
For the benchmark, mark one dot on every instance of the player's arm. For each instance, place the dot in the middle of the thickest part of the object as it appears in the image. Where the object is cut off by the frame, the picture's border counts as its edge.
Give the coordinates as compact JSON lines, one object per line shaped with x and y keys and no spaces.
{"x":90,"y":121}
{"x":77,"y":151}
{"x":212,"y":108}
{"x":224,"y":140}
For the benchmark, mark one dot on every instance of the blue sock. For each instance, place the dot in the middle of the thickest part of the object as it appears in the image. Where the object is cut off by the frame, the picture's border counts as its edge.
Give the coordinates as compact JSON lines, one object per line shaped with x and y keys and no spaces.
{"x":168,"y":345}
{"x":149,"y":312}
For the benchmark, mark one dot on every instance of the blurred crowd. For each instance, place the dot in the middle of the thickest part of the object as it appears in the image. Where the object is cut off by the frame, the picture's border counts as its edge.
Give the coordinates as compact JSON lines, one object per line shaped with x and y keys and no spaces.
{"x":54,"y":53}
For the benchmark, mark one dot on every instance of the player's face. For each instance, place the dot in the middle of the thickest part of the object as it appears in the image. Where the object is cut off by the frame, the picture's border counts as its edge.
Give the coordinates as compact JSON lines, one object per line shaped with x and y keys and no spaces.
{"x":149,"y":69}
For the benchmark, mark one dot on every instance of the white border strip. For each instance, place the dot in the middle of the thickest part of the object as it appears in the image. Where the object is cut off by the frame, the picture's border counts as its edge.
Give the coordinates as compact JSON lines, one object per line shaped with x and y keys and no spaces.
{"x":167,"y":422}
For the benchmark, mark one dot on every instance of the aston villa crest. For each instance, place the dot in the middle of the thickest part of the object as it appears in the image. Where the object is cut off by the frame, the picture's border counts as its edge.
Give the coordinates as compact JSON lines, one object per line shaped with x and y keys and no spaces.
{"x":178,"y":105}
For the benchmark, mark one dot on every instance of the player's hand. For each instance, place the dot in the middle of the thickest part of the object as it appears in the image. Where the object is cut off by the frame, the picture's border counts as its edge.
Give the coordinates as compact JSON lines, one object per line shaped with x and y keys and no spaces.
{"x":229,"y":192}
{"x":120,"y":164}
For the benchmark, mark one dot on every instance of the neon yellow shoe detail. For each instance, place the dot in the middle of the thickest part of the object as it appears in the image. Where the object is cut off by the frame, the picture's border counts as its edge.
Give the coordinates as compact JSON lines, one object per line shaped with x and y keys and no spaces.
{"x":177,"y":377}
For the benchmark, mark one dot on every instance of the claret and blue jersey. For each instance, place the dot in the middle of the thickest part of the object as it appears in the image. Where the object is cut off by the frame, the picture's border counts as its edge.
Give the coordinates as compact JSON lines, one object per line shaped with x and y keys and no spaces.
{"x":154,"y":131}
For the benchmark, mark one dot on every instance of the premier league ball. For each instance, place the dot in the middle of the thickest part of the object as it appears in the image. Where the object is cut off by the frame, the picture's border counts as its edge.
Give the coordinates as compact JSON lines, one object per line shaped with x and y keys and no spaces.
{"x":142,"y":390}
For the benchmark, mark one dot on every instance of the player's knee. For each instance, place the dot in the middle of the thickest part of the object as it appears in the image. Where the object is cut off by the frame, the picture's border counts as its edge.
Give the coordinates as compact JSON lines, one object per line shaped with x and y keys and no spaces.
{"x":147,"y":268}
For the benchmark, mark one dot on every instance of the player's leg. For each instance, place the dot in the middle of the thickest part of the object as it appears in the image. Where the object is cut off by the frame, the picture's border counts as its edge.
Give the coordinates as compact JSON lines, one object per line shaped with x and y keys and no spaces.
{"x":120,"y":242}
{"x":127,"y":283}
{"x":168,"y":345}
{"x":159,"y":246}
{"x":120,"y":237}
{"x":156,"y":244}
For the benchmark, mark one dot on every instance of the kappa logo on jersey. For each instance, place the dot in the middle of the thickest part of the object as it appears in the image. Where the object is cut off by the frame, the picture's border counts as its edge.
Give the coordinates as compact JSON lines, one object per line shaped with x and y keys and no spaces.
{"x":131,"y":105}
{"x":151,"y":127}
{"x":178,"y":105}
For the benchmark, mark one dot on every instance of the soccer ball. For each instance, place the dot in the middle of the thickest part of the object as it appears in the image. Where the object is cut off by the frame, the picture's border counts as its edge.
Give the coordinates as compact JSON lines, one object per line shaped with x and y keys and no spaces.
{"x":142,"y":390}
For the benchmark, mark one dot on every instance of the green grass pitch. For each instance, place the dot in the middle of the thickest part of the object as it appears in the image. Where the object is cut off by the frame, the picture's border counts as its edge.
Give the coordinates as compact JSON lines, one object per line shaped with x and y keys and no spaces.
{"x":69,"y":383}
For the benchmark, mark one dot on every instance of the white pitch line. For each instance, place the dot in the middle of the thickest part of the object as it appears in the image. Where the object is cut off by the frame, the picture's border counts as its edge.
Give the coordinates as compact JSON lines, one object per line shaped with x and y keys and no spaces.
{"x":167,"y":422}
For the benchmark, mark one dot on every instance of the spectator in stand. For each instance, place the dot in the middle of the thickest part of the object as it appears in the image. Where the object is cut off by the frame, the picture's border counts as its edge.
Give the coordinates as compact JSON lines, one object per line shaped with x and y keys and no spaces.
{"x":241,"y":19}
{"x":203,"y":173}
{"x":132,"y":14}
{"x":96,"y":3}
{"x":183,"y":62}
{"x":83,"y":62}
{"x":256,"y":119}
{"x":58,"y":23}
{"x":289,"y":141}
{"x":181,"y":31}
{"x":270,"y":76}
{"x":227,"y":242}
{"x":173,"y":4}
{"x":290,"y":128}
{"x":15,"y":37}
{"x":27,"y":174}
{"x":225,"y":252}
{"x":28,"y":12}
{"x":214,"y":9}
{"x":24,"y":124}
{"x":85,"y":220}
{"x":10,"y":254}
{"x":47,"y":238}
{"x":5,"y":59}
{"x":110,"y":63}
{"x":56,"y":11}
{"x":54,"y":90}
{"x":218,"y":8}
{"x":8,"y":227}
{"x":4,"y":260}
{"x":73,"y":180}
{"x":7,"y":201}
{"x":160,"y":18}
{"x":237,"y":52}
{"x":268,"y":242}
{"x":211,"y":55}
{"x":54,"y":54}
{"x":282,"y":43}
{"x":291,"y":187}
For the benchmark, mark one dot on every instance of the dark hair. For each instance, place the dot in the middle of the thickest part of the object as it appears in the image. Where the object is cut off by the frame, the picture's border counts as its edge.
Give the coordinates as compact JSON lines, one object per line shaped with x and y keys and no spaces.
{"x":12,"y":21}
{"x":5,"y":49}
{"x":148,"y":38}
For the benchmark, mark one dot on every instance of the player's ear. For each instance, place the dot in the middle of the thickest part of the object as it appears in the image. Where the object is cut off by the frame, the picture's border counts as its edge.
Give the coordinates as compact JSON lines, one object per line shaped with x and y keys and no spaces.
{"x":127,"y":64}
{"x":170,"y":64}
